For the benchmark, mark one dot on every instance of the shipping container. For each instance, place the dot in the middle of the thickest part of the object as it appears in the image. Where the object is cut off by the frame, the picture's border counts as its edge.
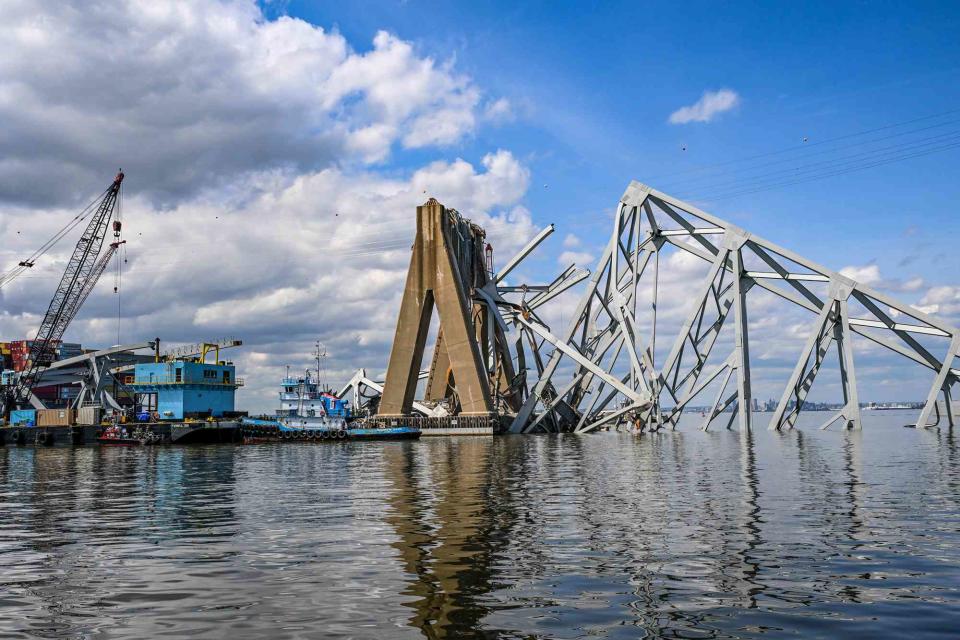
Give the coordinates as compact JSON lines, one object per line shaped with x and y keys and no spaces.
{"x":23,"y":417}
{"x":55,"y":417}
{"x":89,"y":415}
{"x":69,"y":391}
{"x":46,"y":393}
{"x":69,"y":350}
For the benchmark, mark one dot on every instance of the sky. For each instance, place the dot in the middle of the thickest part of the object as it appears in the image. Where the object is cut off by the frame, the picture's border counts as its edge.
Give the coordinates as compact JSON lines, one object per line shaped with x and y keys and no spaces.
{"x":275,"y":153}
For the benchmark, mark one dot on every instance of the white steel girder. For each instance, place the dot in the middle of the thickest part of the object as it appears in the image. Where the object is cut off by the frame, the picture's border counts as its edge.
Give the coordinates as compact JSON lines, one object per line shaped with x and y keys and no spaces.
{"x":611,"y":360}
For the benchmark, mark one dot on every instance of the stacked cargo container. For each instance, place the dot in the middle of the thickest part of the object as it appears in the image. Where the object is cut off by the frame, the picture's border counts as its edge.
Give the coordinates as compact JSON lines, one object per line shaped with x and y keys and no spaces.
{"x":20,"y":353}
{"x":69,"y":350}
{"x":15,"y":357}
{"x":6,"y":360}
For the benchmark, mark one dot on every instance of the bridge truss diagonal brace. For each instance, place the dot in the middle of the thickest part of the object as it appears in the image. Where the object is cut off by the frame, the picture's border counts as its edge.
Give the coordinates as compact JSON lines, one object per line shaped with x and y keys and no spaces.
{"x":628,"y":209}
{"x":699,"y":336}
{"x":832,"y":326}
{"x":606,"y":319}
{"x":942,"y":383}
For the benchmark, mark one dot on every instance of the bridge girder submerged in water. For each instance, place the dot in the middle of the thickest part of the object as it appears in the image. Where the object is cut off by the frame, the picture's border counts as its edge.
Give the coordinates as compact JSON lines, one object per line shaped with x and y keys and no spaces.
{"x":606,"y":325}
{"x":603,"y":368}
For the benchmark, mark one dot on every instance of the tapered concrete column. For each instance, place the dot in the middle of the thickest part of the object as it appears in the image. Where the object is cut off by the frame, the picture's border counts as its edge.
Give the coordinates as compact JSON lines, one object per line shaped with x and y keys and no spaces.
{"x":434,"y":278}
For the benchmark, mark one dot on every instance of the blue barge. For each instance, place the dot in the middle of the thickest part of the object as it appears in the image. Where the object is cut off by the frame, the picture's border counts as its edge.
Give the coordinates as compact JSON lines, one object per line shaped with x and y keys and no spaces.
{"x":270,"y":430}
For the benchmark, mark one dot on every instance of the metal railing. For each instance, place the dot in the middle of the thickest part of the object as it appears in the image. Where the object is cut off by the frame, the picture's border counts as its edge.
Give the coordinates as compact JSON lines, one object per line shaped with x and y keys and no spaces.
{"x":493,"y":423}
{"x":173,"y":380}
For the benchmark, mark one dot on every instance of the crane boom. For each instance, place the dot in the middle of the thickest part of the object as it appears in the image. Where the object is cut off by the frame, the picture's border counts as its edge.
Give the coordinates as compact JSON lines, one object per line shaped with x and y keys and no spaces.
{"x":101,"y":265}
{"x":77,"y":281}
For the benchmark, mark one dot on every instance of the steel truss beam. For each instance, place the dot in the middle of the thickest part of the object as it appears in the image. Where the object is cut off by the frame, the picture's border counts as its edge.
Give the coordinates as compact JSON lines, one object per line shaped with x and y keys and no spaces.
{"x":615,"y":378}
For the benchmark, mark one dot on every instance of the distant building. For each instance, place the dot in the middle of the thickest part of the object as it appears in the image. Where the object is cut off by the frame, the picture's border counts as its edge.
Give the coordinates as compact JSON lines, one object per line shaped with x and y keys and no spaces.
{"x":186,"y":389}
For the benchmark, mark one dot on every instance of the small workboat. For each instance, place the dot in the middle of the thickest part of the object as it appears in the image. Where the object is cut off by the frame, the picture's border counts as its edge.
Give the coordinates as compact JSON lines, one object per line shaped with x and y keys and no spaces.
{"x":310,"y":413}
{"x":119,"y":436}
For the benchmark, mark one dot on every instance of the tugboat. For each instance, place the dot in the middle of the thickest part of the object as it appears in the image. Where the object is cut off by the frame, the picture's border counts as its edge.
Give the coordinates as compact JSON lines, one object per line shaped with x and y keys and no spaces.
{"x":303,"y":406}
{"x":308,"y":412}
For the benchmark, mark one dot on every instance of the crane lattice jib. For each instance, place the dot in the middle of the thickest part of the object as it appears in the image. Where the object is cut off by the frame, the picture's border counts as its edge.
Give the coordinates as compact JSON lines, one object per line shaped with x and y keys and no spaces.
{"x":98,"y":269}
{"x":81,"y":271}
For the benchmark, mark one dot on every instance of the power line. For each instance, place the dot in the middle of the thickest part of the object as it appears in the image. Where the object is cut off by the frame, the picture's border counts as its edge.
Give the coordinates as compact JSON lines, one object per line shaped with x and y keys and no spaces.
{"x":840,"y":162}
{"x":817,"y":152}
{"x":927,"y":152}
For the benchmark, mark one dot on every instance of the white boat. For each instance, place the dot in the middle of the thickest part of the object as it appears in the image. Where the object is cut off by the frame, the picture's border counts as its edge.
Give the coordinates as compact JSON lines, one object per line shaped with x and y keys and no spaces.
{"x":304,"y":405}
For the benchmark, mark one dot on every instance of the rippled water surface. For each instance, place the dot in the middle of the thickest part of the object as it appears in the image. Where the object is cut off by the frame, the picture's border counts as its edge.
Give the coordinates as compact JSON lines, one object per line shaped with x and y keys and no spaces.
{"x":687,"y":534}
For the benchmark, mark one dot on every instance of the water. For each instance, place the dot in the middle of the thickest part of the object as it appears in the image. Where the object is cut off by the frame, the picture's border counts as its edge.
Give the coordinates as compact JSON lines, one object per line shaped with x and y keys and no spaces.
{"x":693,"y":535}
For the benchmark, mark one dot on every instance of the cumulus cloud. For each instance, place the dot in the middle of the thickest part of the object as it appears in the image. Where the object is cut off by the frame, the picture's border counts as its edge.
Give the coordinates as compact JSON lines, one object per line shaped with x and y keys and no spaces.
{"x":580,"y":258}
{"x":710,"y":105}
{"x":943,"y":300}
{"x":870,"y":276}
{"x":260,"y":199}
{"x":571,"y":241}
{"x":189,"y":96}
{"x":867,"y":274}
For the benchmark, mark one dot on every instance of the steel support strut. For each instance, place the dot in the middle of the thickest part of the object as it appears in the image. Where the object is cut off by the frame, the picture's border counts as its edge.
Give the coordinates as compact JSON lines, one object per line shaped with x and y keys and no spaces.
{"x":603,"y":338}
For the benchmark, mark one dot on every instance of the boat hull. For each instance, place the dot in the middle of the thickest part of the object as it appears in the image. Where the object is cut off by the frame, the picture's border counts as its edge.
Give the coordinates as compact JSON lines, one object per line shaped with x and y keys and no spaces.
{"x":259,"y":430}
{"x":387,"y":433}
{"x":120,"y":442}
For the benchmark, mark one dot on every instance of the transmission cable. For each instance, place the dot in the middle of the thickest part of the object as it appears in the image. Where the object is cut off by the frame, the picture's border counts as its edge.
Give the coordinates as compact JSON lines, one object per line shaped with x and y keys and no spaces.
{"x":756,"y":189}
{"x":805,"y":145}
{"x":836,"y":163}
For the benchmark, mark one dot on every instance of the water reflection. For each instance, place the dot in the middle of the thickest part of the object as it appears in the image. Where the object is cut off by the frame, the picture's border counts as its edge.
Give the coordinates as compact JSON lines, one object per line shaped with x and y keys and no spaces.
{"x":686,"y":534}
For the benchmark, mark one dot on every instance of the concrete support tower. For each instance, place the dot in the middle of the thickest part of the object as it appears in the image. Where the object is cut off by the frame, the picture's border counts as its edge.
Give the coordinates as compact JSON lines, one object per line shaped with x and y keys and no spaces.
{"x":447,"y":267}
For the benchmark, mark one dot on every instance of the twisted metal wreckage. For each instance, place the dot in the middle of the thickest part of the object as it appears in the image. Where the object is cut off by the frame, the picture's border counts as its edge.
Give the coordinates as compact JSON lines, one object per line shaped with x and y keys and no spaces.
{"x":601,"y":371}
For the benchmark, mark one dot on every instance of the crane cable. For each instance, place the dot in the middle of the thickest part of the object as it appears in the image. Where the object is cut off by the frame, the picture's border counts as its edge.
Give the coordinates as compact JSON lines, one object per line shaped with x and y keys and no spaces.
{"x":118,"y":277}
{"x":12,"y":273}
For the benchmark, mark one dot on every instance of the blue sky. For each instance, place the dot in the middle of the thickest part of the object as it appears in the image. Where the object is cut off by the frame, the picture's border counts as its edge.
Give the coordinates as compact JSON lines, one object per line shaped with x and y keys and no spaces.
{"x":275,"y":153}
{"x":593,"y":84}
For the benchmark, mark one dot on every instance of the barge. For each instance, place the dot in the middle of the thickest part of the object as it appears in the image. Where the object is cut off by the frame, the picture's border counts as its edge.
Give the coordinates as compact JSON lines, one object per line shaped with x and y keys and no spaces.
{"x":188,"y":432}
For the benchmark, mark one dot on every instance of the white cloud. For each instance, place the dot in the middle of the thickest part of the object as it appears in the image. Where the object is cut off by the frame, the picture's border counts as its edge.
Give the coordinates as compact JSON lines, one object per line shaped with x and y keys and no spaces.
{"x":580,"y":258}
{"x":710,"y":105}
{"x":867,"y":274}
{"x":913,"y":284}
{"x":943,"y":300}
{"x":256,"y":203}
{"x":189,"y":96}
{"x":870,"y":276}
{"x":571,"y":241}
{"x":500,"y":110}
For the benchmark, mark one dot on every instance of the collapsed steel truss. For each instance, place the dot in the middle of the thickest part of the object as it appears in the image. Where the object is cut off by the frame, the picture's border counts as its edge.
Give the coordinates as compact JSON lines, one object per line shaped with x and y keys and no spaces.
{"x":603,"y":369}
{"x":615,"y":376}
